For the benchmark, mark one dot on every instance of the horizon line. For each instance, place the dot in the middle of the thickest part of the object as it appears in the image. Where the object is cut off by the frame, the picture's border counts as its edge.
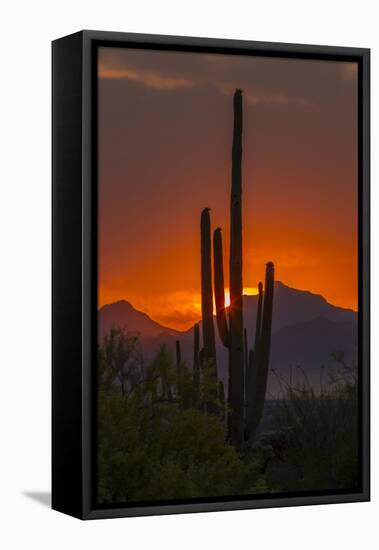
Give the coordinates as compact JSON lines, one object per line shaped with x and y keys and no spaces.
{"x":244,"y":295}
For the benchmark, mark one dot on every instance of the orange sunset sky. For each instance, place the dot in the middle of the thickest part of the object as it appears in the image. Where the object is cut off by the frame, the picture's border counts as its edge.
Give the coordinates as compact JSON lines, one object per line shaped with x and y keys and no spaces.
{"x":165,"y":133}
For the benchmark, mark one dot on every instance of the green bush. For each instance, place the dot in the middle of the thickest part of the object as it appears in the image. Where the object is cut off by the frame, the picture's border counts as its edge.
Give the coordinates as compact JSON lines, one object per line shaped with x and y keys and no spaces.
{"x":162,"y":436}
{"x":151,"y":443}
{"x":314,"y":437}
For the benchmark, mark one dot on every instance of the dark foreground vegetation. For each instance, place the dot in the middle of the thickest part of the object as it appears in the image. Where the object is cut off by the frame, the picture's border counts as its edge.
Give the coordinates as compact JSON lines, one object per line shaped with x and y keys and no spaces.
{"x":166,"y":431}
{"x":162,"y":432}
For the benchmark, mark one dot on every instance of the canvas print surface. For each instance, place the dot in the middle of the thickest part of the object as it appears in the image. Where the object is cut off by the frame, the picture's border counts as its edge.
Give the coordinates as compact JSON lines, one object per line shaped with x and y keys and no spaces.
{"x":227,"y":276}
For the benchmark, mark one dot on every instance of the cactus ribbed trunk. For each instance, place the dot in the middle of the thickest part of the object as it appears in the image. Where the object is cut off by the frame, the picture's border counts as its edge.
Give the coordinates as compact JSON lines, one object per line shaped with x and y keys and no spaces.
{"x":178,"y":354}
{"x":208,"y":352}
{"x":221,"y":393}
{"x":261,"y":358}
{"x":196,"y":347}
{"x":251,"y":360}
{"x":267,"y":327}
{"x":245,"y":365}
{"x":209,"y":346}
{"x":218,"y":271}
{"x":236,"y":353}
{"x":179,"y":370}
{"x":196,"y":366}
{"x":258,"y":324}
{"x":248,"y":370}
{"x":221,"y":398}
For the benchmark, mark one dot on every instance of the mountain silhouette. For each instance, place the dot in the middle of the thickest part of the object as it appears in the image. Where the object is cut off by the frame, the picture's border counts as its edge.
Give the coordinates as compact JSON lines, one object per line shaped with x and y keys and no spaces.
{"x":292,"y":306}
{"x":307,"y":330}
{"x":123,"y":315}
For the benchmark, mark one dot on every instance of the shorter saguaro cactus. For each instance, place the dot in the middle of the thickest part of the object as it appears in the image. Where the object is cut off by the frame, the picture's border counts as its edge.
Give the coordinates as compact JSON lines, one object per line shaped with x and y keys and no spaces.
{"x":208,"y":351}
{"x":179,"y":370}
{"x":196,"y":366}
{"x":221,"y":398}
{"x":219,"y":288}
{"x":178,"y":354}
{"x":209,"y":345}
{"x":260,"y":356}
{"x":245,"y":362}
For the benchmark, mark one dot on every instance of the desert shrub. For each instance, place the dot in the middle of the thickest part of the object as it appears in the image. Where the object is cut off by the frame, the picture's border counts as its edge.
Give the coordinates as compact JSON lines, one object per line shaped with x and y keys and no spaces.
{"x":158,"y":440}
{"x":152,"y":443}
{"x":314,"y":437}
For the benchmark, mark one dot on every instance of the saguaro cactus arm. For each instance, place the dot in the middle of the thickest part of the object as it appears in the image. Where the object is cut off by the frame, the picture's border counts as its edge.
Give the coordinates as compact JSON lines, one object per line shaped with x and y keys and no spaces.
{"x":178,"y":354}
{"x":245,"y":364}
{"x":260,"y":362}
{"x":209,"y":345}
{"x":245,"y":350}
{"x":267,"y":324}
{"x":218,"y":273}
{"x":258,"y":323}
{"x":196,"y":367}
{"x":196,"y":347}
{"x":221,"y":393}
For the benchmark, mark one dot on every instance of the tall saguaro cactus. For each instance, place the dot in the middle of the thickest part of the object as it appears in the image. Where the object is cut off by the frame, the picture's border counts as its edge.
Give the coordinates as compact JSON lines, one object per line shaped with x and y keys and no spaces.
{"x":236,"y":353}
{"x":257,"y":384}
{"x":248,"y":370}
{"x":232,"y":333}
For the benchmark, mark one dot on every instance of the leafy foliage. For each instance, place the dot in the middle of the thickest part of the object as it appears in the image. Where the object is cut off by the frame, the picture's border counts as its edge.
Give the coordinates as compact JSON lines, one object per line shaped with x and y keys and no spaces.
{"x":153,"y":444}
{"x":313,"y":440}
{"x":163,"y":436}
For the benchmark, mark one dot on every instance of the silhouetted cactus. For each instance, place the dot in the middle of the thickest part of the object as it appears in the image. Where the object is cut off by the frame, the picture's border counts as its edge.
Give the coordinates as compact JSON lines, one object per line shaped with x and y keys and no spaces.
{"x":232,"y":332}
{"x":219,"y":291}
{"x":179,"y":370}
{"x":218,"y":273}
{"x":208,"y":352}
{"x":258,"y":324}
{"x":196,"y":366}
{"x":196,"y":347}
{"x":236,"y":355}
{"x":260,"y":358}
{"x":184,"y":392}
{"x":251,"y":359}
{"x":221,"y":392}
{"x":209,"y":346}
{"x":259,"y":315}
{"x":245,"y":362}
{"x":221,"y":398}
{"x":247,"y":370}
{"x":178,"y":354}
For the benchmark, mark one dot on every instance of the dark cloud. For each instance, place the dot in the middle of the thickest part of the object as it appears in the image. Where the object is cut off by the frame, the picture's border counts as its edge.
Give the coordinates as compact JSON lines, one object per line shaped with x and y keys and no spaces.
{"x":263,"y":79}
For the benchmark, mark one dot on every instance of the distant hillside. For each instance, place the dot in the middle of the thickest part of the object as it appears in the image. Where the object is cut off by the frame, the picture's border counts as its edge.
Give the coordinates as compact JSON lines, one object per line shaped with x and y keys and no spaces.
{"x":123,"y":315}
{"x":292,"y":306}
{"x":306,"y":331}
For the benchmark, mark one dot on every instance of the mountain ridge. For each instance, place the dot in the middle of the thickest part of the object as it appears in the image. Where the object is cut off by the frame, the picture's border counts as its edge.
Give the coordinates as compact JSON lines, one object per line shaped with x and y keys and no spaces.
{"x":307,"y":330}
{"x":122,"y":314}
{"x":124,"y":307}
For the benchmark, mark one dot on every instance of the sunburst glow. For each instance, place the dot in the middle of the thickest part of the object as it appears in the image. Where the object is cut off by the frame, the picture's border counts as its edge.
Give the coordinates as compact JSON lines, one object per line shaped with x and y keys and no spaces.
{"x":248,"y":291}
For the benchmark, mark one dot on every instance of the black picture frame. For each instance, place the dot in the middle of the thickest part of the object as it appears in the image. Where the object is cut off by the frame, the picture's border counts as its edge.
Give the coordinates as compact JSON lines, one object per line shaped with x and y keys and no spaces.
{"x":74,"y":269}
